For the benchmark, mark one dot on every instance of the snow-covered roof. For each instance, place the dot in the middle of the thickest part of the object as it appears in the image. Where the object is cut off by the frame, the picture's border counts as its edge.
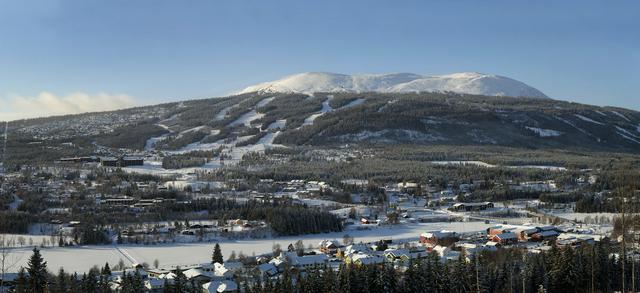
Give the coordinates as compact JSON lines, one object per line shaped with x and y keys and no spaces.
{"x":268,"y":268}
{"x":220,"y":286}
{"x":439,"y":234}
{"x":367,"y":259}
{"x":193,"y":273}
{"x":309,"y":260}
{"x":548,"y":233}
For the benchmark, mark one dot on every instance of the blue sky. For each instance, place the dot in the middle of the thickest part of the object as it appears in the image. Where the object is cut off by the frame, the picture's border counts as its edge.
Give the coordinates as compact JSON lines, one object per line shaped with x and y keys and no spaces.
{"x":152,"y":51}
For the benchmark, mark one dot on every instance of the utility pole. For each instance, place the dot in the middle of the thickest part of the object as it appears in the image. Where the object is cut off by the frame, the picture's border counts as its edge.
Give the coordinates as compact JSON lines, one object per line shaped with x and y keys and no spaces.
{"x":593,"y":269}
{"x":524,"y":275}
{"x":634,"y":223}
{"x":477,"y":270}
{"x":624,"y":248}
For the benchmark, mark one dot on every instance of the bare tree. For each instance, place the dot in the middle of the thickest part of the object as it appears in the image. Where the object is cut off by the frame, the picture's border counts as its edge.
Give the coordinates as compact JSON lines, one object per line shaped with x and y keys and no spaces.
{"x":8,"y":259}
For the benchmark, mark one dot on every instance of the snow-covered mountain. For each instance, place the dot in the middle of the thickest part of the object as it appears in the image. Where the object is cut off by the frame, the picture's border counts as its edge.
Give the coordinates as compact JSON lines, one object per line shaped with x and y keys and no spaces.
{"x":465,"y":82}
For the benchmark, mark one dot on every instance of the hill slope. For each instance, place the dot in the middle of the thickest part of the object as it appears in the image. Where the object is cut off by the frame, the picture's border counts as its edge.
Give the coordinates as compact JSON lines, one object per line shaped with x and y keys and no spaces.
{"x":256,"y":121}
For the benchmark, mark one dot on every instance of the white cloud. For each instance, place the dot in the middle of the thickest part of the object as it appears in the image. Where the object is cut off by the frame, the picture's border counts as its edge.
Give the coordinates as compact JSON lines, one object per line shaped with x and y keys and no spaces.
{"x":48,"y":104}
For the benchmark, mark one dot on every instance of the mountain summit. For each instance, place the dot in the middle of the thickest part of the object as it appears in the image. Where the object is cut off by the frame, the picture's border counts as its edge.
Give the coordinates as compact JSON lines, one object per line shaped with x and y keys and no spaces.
{"x":465,"y":83}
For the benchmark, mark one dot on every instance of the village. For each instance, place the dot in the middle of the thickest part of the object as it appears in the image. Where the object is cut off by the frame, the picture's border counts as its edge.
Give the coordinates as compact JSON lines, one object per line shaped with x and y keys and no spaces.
{"x":421,"y":221}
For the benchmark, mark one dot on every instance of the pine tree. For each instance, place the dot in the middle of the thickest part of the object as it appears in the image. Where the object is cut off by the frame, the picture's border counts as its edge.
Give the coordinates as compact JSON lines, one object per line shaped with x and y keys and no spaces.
{"x":180,"y":281}
{"x":217,"y":254}
{"x":138,"y":283}
{"x":328,"y":280}
{"x":73,"y":284}
{"x":61,"y":282}
{"x":37,"y":269}
{"x":387,"y":281}
{"x":106,"y":270}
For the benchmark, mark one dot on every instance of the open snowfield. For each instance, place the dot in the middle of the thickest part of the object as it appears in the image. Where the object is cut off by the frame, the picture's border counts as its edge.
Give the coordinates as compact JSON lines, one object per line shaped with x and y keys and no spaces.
{"x":582,"y":216}
{"x":81,"y":259}
{"x":487,"y":165}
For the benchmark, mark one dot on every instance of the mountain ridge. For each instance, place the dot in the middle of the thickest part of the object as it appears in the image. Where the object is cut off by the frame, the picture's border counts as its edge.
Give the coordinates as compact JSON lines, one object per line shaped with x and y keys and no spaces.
{"x":474,"y":83}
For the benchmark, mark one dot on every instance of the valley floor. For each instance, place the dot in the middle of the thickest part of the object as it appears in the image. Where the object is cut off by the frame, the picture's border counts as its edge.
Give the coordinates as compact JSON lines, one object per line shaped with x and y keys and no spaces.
{"x":81,"y":259}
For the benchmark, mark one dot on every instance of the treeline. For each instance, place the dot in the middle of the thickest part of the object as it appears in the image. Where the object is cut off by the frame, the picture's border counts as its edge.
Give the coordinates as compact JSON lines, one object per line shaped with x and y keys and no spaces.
{"x":499,"y":194}
{"x":283,"y":218}
{"x":15,"y":222}
{"x":132,"y":136}
{"x":182,"y":140}
{"x":184,"y":161}
{"x":585,"y":269}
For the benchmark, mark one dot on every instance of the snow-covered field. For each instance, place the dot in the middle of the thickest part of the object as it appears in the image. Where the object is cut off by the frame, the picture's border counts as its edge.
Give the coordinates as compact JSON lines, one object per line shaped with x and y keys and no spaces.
{"x":81,"y":259}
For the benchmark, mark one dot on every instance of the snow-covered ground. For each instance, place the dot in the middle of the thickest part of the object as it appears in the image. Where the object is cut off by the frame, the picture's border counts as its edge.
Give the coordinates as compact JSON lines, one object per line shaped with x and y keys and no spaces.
{"x":544,"y":132}
{"x":550,"y":168}
{"x":353,"y":103}
{"x":234,"y":155}
{"x":487,"y":165}
{"x":463,"y":82}
{"x":474,"y":163}
{"x":278,"y":124}
{"x":151,"y":142}
{"x":627,"y":134}
{"x":620,"y":115}
{"x":247,"y":118}
{"x":576,"y":127}
{"x":584,"y":118}
{"x":582,"y":216}
{"x":223,"y":113}
{"x":81,"y":259}
{"x":326,"y":108}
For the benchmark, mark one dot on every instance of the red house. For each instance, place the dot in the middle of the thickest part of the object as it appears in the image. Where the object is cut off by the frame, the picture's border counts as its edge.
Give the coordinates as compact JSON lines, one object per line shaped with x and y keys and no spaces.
{"x":505,"y":238}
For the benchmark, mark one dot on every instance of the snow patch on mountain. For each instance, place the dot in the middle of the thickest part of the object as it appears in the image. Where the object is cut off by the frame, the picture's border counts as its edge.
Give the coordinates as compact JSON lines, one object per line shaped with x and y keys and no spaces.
{"x":223,"y":113}
{"x":544,"y":132}
{"x":353,"y":103}
{"x":247,"y":118}
{"x":620,"y":115}
{"x":465,"y":82}
{"x":326,"y":108}
{"x":601,"y":113}
{"x":585,"y":118}
{"x":576,"y":127}
{"x":627,"y":132}
{"x":278,"y":124}
{"x":628,"y":138}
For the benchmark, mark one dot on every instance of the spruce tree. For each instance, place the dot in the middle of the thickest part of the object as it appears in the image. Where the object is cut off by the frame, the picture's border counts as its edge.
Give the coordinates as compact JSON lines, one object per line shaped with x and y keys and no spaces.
{"x":180,"y":281}
{"x":106,"y":270}
{"x":62,"y":285}
{"x":217,"y":254}
{"x":37,"y":269}
{"x":138,"y":283}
